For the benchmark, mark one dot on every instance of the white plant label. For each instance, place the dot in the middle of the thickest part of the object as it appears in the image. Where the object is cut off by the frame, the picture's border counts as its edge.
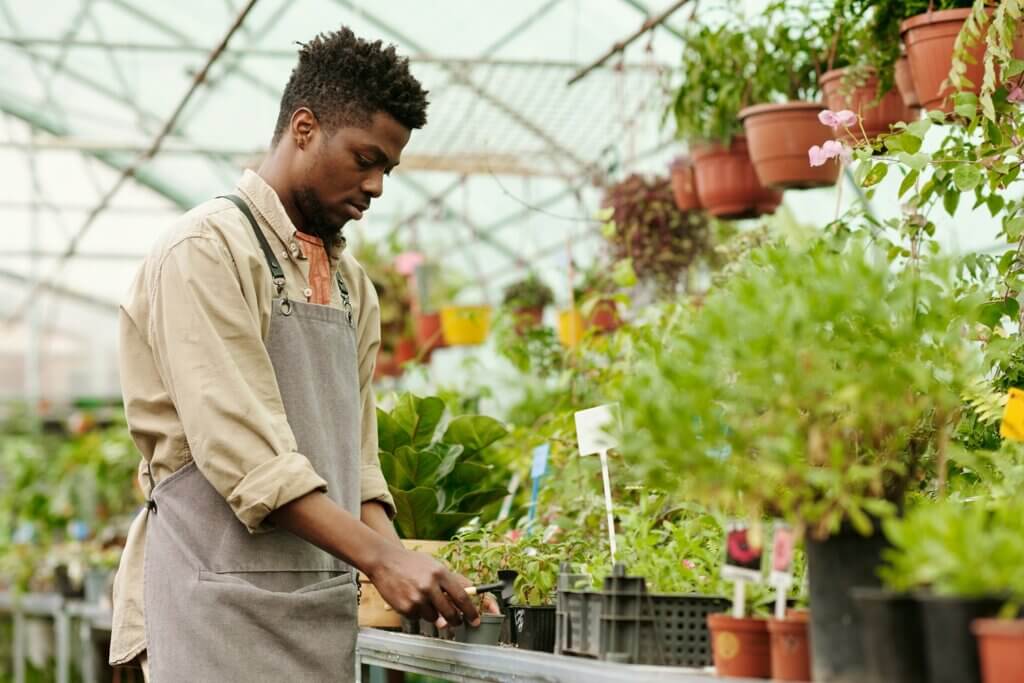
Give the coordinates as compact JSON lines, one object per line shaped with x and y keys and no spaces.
{"x":597,"y":429}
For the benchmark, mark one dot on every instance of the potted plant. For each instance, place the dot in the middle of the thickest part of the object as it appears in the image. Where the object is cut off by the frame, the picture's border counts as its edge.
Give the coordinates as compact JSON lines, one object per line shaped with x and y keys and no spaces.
{"x":784,"y":122}
{"x":526,"y":300}
{"x":727,"y":415}
{"x":849,"y":82}
{"x":741,"y":645}
{"x":719,"y":78}
{"x":648,"y":232}
{"x":684,"y":184}
{"x":790,"y":644}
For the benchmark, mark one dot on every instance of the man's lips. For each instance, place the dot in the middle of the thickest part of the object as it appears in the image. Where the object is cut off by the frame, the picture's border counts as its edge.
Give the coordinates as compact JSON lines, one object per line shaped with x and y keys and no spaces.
{"x":356,"y":210}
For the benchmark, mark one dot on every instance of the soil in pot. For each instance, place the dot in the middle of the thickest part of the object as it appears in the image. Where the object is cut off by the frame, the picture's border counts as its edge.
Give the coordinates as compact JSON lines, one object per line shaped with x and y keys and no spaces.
{"x":893,"y":636}
{"x":684,"y":185}
{"x":740,"y":646}
{"x":929,"y":39}
{"x":835,"y":566}
{"x":779,"y":136}
{"x":790,"y":647}
{"x":905,"y":83}
{"x":1001,"y":649}
{"x":859,"y":97}
{"x":727,"y":184}
{"x":950,"y":648}
{"x":533,"y":627}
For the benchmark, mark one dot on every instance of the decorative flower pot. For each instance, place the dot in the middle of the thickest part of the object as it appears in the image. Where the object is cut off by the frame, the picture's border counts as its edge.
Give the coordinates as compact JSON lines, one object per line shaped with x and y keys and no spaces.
{"x":405,"y":351}
{"x":527,"y":319}
{"x":605,"y":316}
{"x":835,"y":566}
{"x":905,"y":83}
{"x":790,"y":648}
{"x":893,"y":636}
{"x":950,"y":649}
{"x":929,"y":39}
{"x":570,"y":327}
{"x":1001,"y":647}
{"x":875,"y":118}
{"x":727,"y":184}
{"x":465,"y":325}
{"x":684,"y":185}
{"x":779,"y":136}
{"x":429,"y":335}
{"x":741,"y":646}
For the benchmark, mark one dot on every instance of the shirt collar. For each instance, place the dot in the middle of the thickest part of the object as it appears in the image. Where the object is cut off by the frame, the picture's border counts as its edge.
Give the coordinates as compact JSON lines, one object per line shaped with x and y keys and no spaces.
{"x":266,"y":202}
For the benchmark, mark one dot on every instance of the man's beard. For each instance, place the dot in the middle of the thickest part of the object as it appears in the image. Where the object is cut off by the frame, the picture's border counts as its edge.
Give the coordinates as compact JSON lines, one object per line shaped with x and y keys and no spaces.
{"x":317,"y":222}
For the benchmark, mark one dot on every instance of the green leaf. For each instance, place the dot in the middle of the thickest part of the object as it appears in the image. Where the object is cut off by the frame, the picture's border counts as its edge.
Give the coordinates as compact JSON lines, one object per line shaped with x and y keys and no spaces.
{"x":908,"y":182}
{"x":1014,"y":228}
{"x":861,"y":174}
{"x":1014,"y":68}
{"x":876,"y":175}
{"x":476,"y":501}
{"x":474,"y":432}
{"x":419,"y":417}
{"x":623,"y":274}
{"x":918,"y":162}
{"x":920,"y":128}
{"x":415,"y":512}
{"x":445,"y":524}
{"x":995,"y":204}
{"x":450,"y":457}
{"x":951,"y":200}
{"x":419,"y":466}
{"x":904,"y":142}
{"x":466,"y":475}
{"x":968,"y":111}
{"x":967,"y":177}
{"x":991,"y":312}
{"x":390,"y":434}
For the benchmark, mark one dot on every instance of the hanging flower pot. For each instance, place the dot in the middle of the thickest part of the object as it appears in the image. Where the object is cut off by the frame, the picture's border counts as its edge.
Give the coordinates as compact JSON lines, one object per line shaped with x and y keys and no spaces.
{"x":570,"y":327}
{"x":905,"y":83}
{"x":405,"y":351}
{"x":876,"y":118}
{"x":779,"y":136}
{"x":740,"y":646}
{"x":1001,"y":646}
{"x":727,"y":184}
{"x":605,"y":316}
{"x":465,"y":325}
{"x":684,"y":185}
{"x":386,"y":366}
{"x":428,"y":333}
{"x":527,"y":319}
{"x":929,"y":39}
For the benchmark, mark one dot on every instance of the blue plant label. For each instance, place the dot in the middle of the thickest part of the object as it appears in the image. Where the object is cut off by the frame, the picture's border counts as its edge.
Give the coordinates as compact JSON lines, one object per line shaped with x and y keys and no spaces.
{"x":540,"y":461}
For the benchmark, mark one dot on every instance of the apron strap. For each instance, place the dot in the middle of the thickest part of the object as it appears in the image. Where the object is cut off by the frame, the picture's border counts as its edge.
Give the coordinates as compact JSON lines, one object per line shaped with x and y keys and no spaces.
{"x":272,"y":262}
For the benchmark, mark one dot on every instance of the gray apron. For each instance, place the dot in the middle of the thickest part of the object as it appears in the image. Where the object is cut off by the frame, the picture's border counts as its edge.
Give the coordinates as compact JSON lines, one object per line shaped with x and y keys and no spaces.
{"x":224,"y":605}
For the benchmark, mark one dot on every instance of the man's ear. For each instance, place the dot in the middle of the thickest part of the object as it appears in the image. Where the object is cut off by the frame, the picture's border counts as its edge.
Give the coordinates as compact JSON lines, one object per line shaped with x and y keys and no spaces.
{"x":303,"y":126}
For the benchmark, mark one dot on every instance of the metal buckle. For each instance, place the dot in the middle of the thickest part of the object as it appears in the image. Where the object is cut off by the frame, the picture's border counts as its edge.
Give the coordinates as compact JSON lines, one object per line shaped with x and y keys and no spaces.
{"x":286,"y":307}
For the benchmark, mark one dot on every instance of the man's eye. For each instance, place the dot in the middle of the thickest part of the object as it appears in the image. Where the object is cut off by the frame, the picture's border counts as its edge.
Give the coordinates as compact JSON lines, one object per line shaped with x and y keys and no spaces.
{"x":363,"y":161}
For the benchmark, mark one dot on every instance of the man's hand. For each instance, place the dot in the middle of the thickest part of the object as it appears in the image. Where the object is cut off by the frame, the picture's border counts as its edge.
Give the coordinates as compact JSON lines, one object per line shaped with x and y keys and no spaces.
{"x":417,"y":585}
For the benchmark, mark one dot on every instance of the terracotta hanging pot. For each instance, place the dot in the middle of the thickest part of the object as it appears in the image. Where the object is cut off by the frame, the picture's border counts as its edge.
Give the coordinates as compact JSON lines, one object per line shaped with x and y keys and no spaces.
{"x":605,"y":316}
{"x":740,"y":646}
{"x":727,"y":184}
{"x":428,"y":333}
{"x":779,"y":136}
{"x":1001,"y":646}
{"x":684,"y":185}
{"x":875,"y":118}
{"x":526,"y":319}
{"x":905,"y":83}
{"x":405,"y":351}
{"x":929,"y":39}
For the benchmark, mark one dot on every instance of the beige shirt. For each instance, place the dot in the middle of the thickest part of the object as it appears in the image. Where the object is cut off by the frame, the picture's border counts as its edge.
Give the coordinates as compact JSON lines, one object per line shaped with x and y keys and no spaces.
{"x":199,"y":385}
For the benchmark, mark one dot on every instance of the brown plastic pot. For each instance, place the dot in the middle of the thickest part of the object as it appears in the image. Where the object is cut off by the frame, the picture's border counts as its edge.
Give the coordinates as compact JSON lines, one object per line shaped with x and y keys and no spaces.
{"x":727,"y":184}
{"x":428,"y":333}
{"x":527,"y":319}
{"x":405,"y":351}
{"x":875,"y":118}
{"x":684,"y":185}
{"x":779,"y":136}
{"x":905,"y":83}
{"x":790,"y":647}
{"x":1001,"y":648}
{"x":605,"y":316}
{"x":929,"y":39}
{"x":740,"y":646}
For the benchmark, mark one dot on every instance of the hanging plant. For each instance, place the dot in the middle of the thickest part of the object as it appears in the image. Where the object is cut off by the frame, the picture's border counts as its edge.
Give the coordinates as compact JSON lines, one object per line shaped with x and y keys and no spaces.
{"x":649,"y":233}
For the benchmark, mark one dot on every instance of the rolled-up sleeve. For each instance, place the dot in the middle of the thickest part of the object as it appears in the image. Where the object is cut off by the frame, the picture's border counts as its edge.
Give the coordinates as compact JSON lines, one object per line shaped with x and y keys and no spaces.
{"x":372,"y":483}
{"x":207,"y":340}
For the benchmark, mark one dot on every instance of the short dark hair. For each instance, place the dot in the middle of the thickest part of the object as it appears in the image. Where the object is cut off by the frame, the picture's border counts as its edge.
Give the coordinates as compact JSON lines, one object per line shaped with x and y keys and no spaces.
{"x":345,"y":80}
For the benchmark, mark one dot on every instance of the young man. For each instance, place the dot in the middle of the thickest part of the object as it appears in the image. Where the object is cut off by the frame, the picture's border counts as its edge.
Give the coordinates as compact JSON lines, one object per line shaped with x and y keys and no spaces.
{"x":248,"y":341}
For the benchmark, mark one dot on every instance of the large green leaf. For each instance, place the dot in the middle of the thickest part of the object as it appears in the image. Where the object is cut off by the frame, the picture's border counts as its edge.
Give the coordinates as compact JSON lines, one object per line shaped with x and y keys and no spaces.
{"x":445,"y":524}
{"x":419,"y":466}
{"x":419,"y":417}
{"x":474,"y":432}
{"x":466,"y":475}
{"x":394,"y":474}
{"x":415,"y":512}
{"x":477,"y":500}
{"x":390,"y":434}
{"x":450,"y":454}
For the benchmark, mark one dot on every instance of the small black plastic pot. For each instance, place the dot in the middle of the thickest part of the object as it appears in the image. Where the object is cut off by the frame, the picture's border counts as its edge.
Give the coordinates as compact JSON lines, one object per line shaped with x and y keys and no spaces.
{"x":410,"y":626}
{"x":487,"y":633}
{"x":533,"y":627}
{"x":892,"y":634}
{"x":950,"y":648}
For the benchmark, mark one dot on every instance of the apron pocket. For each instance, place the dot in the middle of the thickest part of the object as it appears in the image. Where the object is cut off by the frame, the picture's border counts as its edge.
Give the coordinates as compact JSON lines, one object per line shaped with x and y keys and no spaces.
{"x":296,"y":582}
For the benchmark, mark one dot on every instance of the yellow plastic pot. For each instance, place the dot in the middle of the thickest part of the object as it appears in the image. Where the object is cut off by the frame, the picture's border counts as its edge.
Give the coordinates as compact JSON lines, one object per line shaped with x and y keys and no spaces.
{"x":465,"y":325}
{"x":570,"y":327}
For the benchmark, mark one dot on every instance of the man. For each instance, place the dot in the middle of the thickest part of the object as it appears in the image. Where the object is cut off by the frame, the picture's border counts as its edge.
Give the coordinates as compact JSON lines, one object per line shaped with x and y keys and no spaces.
{"x":248,"y":341}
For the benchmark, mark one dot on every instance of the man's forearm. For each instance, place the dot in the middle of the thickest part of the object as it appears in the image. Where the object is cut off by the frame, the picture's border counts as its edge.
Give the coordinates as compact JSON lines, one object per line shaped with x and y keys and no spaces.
{"x":375,"y":516}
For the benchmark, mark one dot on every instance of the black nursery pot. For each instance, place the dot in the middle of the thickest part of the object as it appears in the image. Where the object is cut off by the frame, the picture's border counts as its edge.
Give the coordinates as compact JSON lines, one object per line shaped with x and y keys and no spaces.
{"x":951,"y":650}
{"x":892,"y":635}
{"x":533,"y":627}
{"x":835,"y":566}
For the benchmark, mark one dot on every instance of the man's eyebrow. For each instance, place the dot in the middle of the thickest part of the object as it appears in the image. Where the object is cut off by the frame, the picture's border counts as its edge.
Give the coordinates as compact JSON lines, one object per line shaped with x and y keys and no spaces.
{"x":380,"y":154}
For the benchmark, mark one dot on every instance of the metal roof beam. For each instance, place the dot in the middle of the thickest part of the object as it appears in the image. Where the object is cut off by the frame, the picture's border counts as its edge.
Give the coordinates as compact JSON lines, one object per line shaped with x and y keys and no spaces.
{"x":645,"y":10}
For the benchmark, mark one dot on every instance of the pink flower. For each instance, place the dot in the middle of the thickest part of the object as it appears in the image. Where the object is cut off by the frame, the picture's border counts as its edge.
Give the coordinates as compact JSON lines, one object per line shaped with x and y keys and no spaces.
{"x":817,"y":156}
{"x":514,"y":535}
{"x":1016,"y":95}
{"x":837,"y":119}
{"x":831,"y":149}
{"x":689,"y":564}
{"x":406,"y":262}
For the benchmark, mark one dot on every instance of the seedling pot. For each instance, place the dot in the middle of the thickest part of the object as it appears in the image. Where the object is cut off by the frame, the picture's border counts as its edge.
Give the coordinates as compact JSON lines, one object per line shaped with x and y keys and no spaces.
{"x":893,"y":636}
{"x":950,"y":648}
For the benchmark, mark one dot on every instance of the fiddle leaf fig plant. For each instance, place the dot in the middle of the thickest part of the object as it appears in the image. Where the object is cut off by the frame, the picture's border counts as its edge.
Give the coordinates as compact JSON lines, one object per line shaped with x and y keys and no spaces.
{"x":435,"y":475}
